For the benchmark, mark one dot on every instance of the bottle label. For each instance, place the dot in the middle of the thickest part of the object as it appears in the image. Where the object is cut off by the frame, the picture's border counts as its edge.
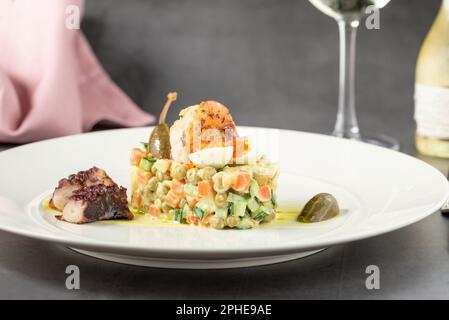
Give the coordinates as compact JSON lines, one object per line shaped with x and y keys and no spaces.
{"x":432,"y":111}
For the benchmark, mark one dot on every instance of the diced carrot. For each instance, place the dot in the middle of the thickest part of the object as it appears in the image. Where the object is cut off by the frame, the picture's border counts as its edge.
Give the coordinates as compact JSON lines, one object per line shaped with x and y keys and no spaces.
{"x":137,"y":200}
{"x":264,"y":193}
{"x":178,"y":188}
{"x":154,"y":211}
{"x":191,"y":201}
{"x":136,"y":156}
{"x":191,"y":219}
{"x":189,"y":165}
{"x":205,"y":188}
{"x":241,"y":184}
{"x":143,"y":176}
{"x":172,"y":199}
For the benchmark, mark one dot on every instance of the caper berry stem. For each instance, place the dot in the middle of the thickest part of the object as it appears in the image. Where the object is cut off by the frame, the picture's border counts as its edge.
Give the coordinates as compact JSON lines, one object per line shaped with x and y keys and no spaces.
{"x":171,"y":97}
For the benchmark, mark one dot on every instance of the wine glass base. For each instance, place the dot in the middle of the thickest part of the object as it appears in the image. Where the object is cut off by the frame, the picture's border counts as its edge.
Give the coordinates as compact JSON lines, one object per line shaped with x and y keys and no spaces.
{"x":381,"y":141}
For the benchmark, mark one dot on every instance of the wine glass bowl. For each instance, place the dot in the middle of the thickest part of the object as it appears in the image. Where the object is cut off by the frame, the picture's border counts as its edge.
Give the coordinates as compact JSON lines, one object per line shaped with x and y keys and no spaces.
{"x":348,"y":14}
{"x":348,"y":10}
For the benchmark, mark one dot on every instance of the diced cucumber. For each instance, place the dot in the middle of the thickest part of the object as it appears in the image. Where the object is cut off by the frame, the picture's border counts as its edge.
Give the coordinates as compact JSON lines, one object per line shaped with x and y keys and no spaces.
{"x":238,"y":208}
{"x":206,"y":204}
{"x":234,"y":198}
{"x":252,"y":204}
{"x":178,"y":215}
{"x":259,"y":215}
{"x":245,"y":223}
{"x":254,"y":188}
{"x":186,"y":211}
{"x":146,"y":164}
{"x":198,"y":212}
{"x":191,"y":190}
{"x":273,"y":198}
{"x":268,"y":205}
{"x":221,"y":212}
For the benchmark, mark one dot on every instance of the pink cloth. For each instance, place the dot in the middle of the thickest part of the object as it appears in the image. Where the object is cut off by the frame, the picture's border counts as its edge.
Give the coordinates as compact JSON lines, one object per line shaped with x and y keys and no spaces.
{"x":51,"y":83}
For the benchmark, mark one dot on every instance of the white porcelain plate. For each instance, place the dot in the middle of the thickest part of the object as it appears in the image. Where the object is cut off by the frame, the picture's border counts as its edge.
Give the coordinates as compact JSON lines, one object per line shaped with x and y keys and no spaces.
{"x":378,"y":190}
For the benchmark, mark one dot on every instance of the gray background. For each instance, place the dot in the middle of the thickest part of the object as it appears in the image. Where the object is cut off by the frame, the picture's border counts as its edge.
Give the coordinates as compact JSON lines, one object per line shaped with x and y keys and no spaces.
{"x":274,"y":63}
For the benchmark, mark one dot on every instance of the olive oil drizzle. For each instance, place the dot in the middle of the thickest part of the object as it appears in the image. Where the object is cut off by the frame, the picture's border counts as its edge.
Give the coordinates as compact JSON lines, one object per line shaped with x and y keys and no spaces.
{"x":285,"y":217}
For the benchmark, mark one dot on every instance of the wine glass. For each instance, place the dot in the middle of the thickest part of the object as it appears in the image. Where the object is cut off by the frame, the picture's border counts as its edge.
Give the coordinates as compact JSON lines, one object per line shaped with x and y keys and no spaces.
{"x":348,"y":14}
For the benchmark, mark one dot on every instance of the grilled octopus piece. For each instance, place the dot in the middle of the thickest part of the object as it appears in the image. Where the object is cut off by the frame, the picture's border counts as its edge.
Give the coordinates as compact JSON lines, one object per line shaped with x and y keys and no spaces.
{"x":67,"y":186}
{"x":97,"y":202}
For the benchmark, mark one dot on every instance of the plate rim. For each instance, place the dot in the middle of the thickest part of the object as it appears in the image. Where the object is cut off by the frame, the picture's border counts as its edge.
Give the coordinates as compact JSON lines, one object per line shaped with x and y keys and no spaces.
{"x":286,"y":248}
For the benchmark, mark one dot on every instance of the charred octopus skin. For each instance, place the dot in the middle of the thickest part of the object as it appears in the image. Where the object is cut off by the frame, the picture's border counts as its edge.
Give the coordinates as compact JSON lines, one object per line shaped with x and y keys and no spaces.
{"x":97,"y":202}
{"x":74,"y":182}
{"x":89,"y":196}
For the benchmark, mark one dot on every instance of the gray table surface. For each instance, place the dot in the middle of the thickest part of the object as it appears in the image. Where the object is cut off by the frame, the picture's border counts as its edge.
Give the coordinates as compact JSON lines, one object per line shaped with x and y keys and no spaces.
{"x":274,"y":63}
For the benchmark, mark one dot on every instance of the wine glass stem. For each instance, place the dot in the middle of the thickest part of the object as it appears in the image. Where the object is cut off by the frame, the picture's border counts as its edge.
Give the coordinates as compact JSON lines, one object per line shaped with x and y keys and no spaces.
{"x":346,"y":125}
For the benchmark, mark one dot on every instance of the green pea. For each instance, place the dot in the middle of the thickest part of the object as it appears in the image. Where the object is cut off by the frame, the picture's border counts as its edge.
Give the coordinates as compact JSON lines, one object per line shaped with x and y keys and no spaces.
{"x":221,"y":199}
{"x":206,"y":173}
{"x":158,"y":203}
{"x":192,"y":176}
{"x":216,"y":222}
{"x":165,"y":207}
{"x":232,"y":221}
{"x":161,"y":190}
{"x":152,"y":184}
{"x":178,"y":171}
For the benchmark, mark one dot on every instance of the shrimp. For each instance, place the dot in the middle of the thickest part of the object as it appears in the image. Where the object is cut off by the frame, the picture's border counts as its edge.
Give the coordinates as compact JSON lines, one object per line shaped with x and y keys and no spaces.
{"x":206,"y":125}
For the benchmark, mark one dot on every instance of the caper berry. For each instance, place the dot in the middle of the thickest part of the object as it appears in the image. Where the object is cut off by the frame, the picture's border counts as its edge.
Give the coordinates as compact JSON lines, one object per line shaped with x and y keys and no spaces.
{"x":159,"y":142}
{"x":322,"y":206}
